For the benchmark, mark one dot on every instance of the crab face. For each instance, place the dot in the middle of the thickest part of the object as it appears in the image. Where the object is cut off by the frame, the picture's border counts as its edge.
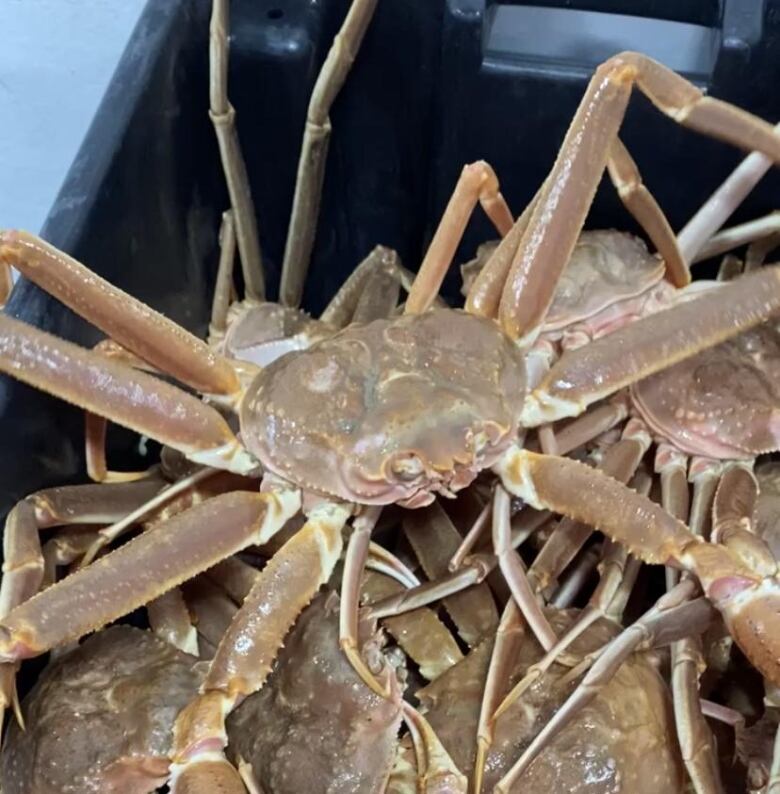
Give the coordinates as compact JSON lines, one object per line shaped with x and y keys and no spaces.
{"x":393,"y":411}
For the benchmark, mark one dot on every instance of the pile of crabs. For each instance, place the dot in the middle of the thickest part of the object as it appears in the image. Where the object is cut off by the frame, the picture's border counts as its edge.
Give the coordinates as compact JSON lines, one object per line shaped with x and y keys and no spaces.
{"x":526,"y":544}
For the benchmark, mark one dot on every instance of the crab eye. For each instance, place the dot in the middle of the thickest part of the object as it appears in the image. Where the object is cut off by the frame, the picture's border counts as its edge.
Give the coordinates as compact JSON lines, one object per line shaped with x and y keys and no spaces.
{"x":407,"y":468}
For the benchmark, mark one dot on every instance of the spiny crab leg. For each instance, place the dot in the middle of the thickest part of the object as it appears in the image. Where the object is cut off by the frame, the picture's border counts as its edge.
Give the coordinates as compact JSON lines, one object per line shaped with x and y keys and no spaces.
{"x":120,"y":394}
{"x":656,"y":628}
{"x":719,"y":206}
{"x":314,"y":150}
{"x":223,"y":116}
{"x":141,"y":570}
{"x":746,"y":598}
{"x":597,"y":370}
{"x":477,"y":182}
{"x":151,"y":336}
{"x":568,"y":193}
{"x":244,"y":657}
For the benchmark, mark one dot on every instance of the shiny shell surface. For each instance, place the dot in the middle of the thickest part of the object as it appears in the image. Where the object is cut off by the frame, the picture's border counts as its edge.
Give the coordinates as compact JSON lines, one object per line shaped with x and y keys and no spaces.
{"x":391,"y":411}
{"x":722,"y":403}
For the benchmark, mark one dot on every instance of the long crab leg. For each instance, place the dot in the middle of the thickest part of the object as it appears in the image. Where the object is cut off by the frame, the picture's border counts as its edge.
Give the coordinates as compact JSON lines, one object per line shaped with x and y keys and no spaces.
{"x":593,"y":372}
{"x":568,"y":193}
{"x":244,"y":657}
{"x":693,"y":732}
{"x":223,"y":288}
{"x":341,"y":309}
{"x":736,"y":236}
{"x":620,"y":461}
{"x":640,"y":203}
{"x":514,"y":572}
{"x":151,"y":336}
{"x":746,"y":598}
{"x":143,"y":569}
{"x":120,"y":394}
{"x":435,"y":539}
{"x":314,"y":150}
{"x":477,"y":182}
{"x":719,"y":206}
{"x":668,"y":620}
{"x":223,"y":116}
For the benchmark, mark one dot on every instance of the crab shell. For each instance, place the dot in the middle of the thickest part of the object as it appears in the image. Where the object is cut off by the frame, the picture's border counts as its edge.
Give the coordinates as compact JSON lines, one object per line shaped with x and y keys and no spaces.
{"x":622,"y":741}
{"x":393,"y":411}
{"x":721,"y":403}
{"x":100,"y":718}
{"x":315,"y":727}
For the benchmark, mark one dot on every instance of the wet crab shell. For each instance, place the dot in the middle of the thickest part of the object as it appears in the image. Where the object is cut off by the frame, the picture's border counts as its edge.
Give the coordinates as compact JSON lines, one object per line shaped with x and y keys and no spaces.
{"x":100,"y":718}
{"x":315,"y":727}
{"x":623,"y":741}
{"x":722,"y":403}
{"x":392,"y":411}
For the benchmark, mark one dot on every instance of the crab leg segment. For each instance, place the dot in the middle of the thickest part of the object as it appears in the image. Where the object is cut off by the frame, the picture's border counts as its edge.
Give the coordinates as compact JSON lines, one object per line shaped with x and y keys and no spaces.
{"x":170,"y":620}
{"x":223,"y":116}
{"x":314,"y":150}
{"x":477,"y":182}
{"x":558,"y":217}
{"x":130,"y":398}
{"x":658,"y":627}
{"x":640,"y":203}
{"x":142,"y":570}
{"x":152,"y":337}
{"x":223,"y":289}
{"x":595,"y":371}
{"x":245,"y":655}
{"x":746,"y":598}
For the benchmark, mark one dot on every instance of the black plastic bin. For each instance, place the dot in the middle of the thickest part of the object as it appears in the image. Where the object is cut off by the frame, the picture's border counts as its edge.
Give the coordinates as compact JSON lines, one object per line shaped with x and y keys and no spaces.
{"x":438,"y":83}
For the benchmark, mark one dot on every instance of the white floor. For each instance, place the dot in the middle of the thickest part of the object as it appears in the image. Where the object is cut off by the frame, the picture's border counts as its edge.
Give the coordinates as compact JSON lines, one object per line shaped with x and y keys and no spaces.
{"x":56,"y":59}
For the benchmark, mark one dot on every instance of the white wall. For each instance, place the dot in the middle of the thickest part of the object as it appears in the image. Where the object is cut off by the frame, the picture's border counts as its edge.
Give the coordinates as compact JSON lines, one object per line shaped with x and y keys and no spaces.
{"x":56,"y":59}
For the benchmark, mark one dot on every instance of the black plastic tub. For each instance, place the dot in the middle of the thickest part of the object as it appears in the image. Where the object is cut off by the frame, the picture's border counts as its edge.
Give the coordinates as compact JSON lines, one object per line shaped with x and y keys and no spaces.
{"x":437,"y":83}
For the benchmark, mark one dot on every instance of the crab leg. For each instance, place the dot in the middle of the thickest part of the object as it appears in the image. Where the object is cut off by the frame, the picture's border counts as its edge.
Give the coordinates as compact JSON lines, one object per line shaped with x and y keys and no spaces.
{"x":314,"y":150}
{"x":558,"y":217}
{"x":223,"y":116}
{"x":658,"y":627}
{"x":6,"y":284}
{"x":640,"y":203}
{"x":593,"y":372}
{"x":620,"y":462}
{"x":341,"y":309}
{"x":223,"y":289}
{"x":477,"y":182}
{"x":484,"y":296}
{"x":123,"y":395}
{"x":693,"y":732}
{"x":244,"y":657}
{"x":719,"y":206}
{"x":170,"y":620}
{"x":151,"y":336}
{"x":433,"y":537}
{"x":745,"y":597}
{"x":514,"y":572}
{"x":212,"y":611}
{"x":470,"y":539}
{"x":142,"y":570}
{"x":736,"y":236}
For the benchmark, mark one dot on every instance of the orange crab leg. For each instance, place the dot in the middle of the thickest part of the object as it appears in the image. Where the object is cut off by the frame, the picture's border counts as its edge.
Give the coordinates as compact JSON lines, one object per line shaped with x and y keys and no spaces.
{"x":142,"y":570}
{"x":123,"y":395}
{"x":243,"y":659}
{"x":747,"y":599}
{"x":152,"y":337}
{"x":568,"y":193}
{"x":593,"y":372}
{"x":477,"y":182}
